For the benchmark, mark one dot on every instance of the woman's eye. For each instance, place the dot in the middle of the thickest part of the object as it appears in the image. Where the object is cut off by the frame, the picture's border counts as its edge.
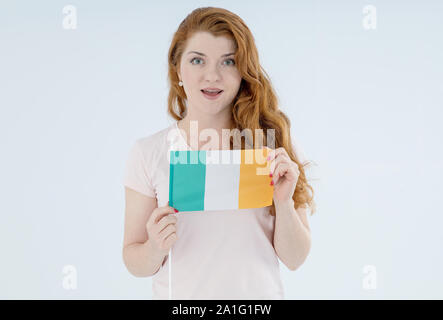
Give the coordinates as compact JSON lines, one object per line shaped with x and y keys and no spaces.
{"x":194,"y":60}
{"x":198,"y":59}
{"x":233,"y":62}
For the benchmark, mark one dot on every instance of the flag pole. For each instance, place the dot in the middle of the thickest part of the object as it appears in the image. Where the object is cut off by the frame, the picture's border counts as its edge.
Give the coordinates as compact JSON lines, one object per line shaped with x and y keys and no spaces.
{"x":169,"y":268}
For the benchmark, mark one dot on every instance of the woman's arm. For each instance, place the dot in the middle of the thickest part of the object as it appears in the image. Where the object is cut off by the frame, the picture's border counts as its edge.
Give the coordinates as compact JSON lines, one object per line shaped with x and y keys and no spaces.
{"x":140,"y":258}
{"x":292,"y":236}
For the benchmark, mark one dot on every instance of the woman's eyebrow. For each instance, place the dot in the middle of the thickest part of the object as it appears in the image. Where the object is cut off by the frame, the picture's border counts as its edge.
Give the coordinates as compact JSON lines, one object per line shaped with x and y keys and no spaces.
{"x":202,"y":54}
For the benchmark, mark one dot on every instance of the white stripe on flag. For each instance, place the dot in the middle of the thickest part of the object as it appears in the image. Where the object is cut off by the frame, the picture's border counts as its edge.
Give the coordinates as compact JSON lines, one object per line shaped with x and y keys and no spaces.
{"x":222,"y":179}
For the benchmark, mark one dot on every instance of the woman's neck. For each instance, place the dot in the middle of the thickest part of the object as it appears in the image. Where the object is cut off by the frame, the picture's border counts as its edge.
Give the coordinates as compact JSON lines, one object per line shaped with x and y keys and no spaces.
{"x":212,"y":128}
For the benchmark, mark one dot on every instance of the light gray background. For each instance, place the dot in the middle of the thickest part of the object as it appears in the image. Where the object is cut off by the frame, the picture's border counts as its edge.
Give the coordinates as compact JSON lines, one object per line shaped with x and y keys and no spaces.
{"x":364,"y":104}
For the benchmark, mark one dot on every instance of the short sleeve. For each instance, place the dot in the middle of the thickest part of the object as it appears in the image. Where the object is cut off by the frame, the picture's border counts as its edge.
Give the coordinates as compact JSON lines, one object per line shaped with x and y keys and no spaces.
{"x":135,"y":174}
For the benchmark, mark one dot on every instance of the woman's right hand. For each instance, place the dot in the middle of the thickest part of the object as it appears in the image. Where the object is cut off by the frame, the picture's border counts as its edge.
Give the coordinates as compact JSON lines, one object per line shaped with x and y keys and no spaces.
{"x":161,"y":228}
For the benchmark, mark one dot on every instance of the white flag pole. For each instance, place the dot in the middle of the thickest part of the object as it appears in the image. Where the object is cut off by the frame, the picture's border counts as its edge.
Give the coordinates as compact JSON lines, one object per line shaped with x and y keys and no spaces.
{"x":169,"y":267}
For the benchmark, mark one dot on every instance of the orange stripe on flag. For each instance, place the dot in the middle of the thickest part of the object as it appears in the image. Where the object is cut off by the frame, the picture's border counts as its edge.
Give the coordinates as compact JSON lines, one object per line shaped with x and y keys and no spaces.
{"x":255,"y":190}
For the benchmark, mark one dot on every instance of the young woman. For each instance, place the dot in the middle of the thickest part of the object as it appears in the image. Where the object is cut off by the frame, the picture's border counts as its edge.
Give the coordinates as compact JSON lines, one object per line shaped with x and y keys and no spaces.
{"x":216,"y":80}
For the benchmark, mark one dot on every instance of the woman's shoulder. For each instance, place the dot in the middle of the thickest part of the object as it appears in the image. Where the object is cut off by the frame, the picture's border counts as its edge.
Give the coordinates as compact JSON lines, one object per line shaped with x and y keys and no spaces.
{"x":155,"y":140}
{"x":154,"y":144}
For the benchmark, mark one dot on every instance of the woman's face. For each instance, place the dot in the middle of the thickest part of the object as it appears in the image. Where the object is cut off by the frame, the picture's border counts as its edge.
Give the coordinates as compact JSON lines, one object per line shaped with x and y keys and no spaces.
{"x":208,"y":62}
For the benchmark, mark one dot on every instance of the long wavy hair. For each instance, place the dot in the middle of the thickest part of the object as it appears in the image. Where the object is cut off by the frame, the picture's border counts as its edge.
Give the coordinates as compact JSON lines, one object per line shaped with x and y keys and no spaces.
{"x":255,"y":105}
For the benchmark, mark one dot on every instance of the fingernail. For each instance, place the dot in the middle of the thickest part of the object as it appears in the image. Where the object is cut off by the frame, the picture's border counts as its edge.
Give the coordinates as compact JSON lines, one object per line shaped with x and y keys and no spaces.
{"x":270,"y":175}
{"x":175,"y":210}
{"x":272,"y":182}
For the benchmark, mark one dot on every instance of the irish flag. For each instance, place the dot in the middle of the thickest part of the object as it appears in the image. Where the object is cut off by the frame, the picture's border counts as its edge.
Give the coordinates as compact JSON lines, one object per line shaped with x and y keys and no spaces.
{"x":219,"y":179}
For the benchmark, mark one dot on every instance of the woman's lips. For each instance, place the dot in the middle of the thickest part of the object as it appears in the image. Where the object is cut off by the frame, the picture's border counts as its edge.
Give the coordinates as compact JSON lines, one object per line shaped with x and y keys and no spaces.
{"x":211,"y":96}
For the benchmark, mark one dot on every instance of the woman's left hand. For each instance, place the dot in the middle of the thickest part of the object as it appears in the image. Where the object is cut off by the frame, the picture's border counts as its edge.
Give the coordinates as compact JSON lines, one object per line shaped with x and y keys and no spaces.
{"x":284,"y":173}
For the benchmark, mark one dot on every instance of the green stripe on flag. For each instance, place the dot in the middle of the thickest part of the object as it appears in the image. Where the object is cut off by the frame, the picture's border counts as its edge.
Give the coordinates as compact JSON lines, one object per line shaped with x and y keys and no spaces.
{"x":187,"y":174}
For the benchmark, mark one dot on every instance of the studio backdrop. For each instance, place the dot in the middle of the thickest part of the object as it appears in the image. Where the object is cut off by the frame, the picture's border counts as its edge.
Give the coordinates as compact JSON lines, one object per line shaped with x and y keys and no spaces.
{"x":361,"y":82}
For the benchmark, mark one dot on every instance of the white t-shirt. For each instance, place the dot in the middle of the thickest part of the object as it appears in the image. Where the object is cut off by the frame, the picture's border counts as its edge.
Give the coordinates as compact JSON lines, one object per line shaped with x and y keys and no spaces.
{"x":218,"y":254}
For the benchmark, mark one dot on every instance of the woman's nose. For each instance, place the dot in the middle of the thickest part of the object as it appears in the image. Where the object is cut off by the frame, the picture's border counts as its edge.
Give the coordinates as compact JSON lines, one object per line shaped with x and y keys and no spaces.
{"x":212,"y":74}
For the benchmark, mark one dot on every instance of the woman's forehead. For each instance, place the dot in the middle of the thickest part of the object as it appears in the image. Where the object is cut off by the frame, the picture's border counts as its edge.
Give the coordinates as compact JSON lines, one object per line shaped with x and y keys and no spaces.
{"x":208,"y":44}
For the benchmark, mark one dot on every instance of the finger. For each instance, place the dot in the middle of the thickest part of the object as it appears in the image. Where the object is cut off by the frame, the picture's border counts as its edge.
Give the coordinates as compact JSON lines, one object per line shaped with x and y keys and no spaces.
{"x":167,"y":211}
{"x":167,"y":205}
{"x":159,"y":213}
{"x":165,"y":221}
{"x":169,"y":240}
{"x":275,"y":162}
{"x":286,"y":170}
{"x":280,"y":171}
{"x":274,"y":153}
{"x":167,"y":231}
{"x":282,"y":155}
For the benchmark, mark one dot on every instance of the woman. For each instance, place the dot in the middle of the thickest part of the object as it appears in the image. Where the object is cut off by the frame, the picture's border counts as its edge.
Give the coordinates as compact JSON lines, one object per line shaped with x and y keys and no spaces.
{"x":216,"y":82}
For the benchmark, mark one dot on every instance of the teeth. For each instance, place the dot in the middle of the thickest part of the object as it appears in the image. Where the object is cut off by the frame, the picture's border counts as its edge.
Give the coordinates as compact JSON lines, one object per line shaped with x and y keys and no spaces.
{"x":212,"y":91}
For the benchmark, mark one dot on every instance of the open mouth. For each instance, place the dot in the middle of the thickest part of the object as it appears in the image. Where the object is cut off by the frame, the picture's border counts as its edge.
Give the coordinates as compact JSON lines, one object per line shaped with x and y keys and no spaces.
{"x":211,"y":94}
